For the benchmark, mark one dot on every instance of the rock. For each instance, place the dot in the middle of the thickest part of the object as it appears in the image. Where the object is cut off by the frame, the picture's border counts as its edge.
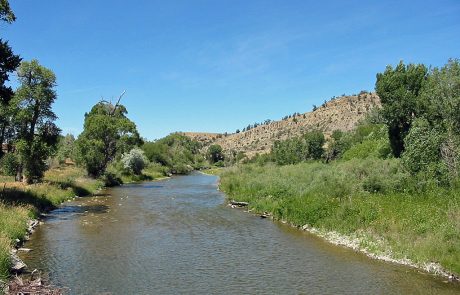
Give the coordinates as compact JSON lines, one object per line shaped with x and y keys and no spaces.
{"x":17,"y":264}
{"x":265,"y":215}
{"x":453,"y":278}
{"x":306,"y":227}
{"x":239,"y":204}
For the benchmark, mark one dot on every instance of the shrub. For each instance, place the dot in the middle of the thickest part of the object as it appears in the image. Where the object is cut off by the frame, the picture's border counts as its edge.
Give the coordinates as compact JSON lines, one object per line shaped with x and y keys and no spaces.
{"x":9,"y":164}
{"x":215,"y":153}
{"x":111,"y":179}
{"x":134,"y":161}
{"x":422,"y":146}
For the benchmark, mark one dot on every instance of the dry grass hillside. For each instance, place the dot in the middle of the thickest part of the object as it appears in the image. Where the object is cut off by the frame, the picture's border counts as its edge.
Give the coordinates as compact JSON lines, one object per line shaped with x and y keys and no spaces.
{"x":339,"y":114}
{"x":203,"y":137}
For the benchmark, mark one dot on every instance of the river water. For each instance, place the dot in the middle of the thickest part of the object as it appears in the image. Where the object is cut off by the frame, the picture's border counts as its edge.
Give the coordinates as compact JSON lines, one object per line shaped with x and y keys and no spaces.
{"x":176,"y":236}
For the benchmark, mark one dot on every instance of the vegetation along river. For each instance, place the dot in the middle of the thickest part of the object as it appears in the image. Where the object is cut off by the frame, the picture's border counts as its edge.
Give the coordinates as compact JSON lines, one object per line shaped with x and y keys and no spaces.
{"x":176,"y":236}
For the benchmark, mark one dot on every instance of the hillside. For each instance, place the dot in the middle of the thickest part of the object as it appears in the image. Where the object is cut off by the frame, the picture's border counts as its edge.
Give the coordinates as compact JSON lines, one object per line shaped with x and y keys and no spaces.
{"x":338,"y":114}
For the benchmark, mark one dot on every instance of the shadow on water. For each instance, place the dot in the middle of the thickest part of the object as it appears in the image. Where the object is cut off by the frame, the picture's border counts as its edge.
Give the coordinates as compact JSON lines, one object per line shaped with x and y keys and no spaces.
{"x":69,"y":211}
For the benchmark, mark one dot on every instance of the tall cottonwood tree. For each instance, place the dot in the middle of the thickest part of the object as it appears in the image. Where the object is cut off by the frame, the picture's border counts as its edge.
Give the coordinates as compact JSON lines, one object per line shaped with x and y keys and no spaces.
{"x":8,"y":64}
{"x":107,"y":133}
{"x":37,"y":135}
{"x":399,"y":91}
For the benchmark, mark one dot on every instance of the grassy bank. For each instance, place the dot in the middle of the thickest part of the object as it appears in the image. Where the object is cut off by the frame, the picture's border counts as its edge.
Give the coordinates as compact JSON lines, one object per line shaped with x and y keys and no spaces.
{"x":373,"y":199}
{"x":19,"y":203}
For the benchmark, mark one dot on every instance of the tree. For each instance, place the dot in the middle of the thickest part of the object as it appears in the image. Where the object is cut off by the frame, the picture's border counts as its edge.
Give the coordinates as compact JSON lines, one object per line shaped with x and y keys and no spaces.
{"x":134,"y":161}
{"x":215,"y":153}
{"x":423,"y":146}
{"x":37,"y":135}
{"x":66,"y":148}
{"x":315,"y":142}
{"x":441,"y":98}
{"x":399,"y":91}
{"x":8,"y":64}
{"x":107,"y":133}
{"x":6,"y":14}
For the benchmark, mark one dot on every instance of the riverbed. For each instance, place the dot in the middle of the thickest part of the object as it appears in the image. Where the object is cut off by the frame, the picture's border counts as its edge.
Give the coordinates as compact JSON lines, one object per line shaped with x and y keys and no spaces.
{"x":177,"y":236}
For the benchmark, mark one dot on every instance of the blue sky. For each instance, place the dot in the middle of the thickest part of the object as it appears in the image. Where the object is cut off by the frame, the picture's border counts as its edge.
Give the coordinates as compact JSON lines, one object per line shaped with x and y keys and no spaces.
{"x":219,"y":65}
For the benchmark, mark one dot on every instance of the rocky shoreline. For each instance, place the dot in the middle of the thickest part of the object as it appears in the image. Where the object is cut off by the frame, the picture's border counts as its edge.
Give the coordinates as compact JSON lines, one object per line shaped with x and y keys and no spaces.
{"x":356,"y":242}
{"x":26,"y":282}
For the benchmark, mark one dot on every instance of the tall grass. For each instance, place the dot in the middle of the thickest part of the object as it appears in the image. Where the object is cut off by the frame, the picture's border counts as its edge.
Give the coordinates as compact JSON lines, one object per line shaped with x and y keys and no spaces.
{"x":371,"y":196}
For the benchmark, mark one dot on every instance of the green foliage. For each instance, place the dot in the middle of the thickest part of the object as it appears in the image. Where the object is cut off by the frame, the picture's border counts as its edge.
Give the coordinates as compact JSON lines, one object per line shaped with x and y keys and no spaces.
{"x":110,"y":179}
{"x":423,"y":145}
{"x":219,"y":163}
{"x":107,"y":134}
{"x":298,"y":149}
{"x":66,"y":148}
{"x":6,"y":14}
{"x":134,"y":161}
{"x":8,"y":63}
{"x":9,"y":164}
{"x":399,"y":91}
{"x":378,"y":148}
{"x":215,"y":153}
{"x":37,"y":135}
{"x":177,"y":152}
{"x":441,"y":96}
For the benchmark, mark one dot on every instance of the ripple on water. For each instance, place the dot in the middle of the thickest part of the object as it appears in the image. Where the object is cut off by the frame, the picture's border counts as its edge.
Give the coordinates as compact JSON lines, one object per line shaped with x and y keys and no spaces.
{"x":177,"y":237}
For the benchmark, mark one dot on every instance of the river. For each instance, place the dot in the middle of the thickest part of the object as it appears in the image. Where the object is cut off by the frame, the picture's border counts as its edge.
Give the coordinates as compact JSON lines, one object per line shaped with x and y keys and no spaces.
{"x":176,"y":236}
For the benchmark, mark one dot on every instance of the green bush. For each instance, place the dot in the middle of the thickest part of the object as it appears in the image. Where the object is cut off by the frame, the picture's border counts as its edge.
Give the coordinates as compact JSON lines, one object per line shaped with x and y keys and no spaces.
{"x":422,"y":146}
{"x":219,"y":164}
{"x":134,"y":161}
{"x":176,"y":152}
{"x":9,"y":164}
{"x":298,"y":149}
{"x":111,"y":179}
{"x":377,"y":148}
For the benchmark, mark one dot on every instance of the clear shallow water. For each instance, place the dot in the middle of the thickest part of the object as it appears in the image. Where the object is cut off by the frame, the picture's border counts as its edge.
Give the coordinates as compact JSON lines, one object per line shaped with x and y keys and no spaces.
{"x":176,"y":236}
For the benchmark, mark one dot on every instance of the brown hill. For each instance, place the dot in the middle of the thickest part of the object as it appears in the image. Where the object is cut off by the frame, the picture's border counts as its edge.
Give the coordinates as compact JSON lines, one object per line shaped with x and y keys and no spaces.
{"x":204,"y":137}
{"x":339,"y":114}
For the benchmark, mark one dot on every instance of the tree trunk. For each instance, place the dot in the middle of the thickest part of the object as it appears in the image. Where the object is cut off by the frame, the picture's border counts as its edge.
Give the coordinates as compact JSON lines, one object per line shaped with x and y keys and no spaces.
{"x":19,"y":174}
{"x":2,"y":138}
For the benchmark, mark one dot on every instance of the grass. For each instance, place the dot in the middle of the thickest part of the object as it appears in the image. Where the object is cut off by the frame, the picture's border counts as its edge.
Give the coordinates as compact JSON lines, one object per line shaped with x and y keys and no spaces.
{"x":213,"y":170}
{"x":19,"y":203}
{"x":368,"y":197}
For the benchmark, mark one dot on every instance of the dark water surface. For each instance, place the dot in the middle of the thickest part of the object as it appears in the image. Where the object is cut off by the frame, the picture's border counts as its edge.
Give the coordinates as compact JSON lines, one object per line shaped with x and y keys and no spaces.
{"x":176,"y":236}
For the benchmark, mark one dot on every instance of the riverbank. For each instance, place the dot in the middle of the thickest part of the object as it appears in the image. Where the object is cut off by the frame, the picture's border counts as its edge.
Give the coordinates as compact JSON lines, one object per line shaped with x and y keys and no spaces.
{"x":333,"y":201}
{"x":19,"y":204}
